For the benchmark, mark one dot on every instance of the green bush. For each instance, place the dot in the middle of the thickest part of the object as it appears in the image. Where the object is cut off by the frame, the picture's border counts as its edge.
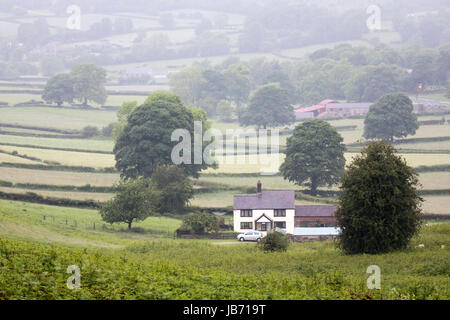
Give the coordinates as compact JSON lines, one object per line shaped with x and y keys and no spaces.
{"x":199,"y":223}
{"x":274,"y":241}
{"x":89,"y":132}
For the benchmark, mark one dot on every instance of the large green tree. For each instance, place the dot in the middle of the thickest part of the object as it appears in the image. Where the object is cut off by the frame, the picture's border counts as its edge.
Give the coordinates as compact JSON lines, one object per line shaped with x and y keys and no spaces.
{"x":89,"y":83}
{"x":146,"y":140}
{"x":59,"y":89}
{"x":391,"y":116}
{"x":175,"y":188}
{"x":135,"y":201}
{"x":379,"y":209}
{"x":369,"y":83}
{"x":269,"y":106}
{"x":314,"y":155}
{"x":123,"y":113}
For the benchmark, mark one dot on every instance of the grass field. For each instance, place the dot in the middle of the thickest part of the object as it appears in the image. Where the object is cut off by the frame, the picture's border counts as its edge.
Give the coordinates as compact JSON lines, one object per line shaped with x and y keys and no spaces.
{"x":102,"y":197}
{"x":70,"y":158}
{"x":80,"y":224}
{"x":9,"y":158}
{"x":112,"y":262}
{"x":105,"y":145}
{"x":436,"y":204}
{"x":48,"y":177}
{"x":63,"y":118}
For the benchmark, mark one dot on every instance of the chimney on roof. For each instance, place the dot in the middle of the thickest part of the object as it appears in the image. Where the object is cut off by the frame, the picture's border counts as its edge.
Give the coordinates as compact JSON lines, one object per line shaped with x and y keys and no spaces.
{"x":259,"y":187}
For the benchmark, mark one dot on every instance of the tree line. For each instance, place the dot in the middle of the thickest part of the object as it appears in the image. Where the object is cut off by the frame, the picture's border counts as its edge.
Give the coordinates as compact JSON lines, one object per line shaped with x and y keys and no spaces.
{"x":346,"y":72}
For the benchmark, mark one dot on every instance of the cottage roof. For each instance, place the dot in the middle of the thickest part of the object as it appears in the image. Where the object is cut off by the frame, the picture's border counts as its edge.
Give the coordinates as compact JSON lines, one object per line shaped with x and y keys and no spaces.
{"x":315,"y":211}
{"x":267,"y":199}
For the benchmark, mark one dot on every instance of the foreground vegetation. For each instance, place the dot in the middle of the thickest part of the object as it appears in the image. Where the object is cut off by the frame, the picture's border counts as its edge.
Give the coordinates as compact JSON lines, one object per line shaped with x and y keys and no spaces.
{"x":177,"y":269}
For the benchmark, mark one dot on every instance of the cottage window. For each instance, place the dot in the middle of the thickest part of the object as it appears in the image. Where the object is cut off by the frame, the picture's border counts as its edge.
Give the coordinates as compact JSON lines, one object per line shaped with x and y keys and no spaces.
{"x":246,"y":213}
{"x":279,"y":213}
{"x":280,"y":224}
{"x":246,"y":225}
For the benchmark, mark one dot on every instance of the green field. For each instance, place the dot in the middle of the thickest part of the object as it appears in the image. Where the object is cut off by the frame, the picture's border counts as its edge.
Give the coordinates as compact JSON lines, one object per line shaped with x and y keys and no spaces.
{"x":48,"y":177}
{"x":70,"y":158}
{"x":59,"y":118}
{"x":104,"y":145}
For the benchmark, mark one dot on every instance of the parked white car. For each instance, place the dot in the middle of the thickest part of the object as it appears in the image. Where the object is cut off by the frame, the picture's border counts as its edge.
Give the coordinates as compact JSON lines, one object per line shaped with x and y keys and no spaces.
{"x":250,"y":236}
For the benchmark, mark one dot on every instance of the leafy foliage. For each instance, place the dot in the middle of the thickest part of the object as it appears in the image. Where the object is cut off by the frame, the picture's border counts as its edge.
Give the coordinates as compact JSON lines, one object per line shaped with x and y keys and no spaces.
{"x":200,"y":222}
{"x":269,"y":106}
{"x":88,"y":83}
{"x":146,"y":139}
{"x":379,"y":209}
{"x":274,"y":241}
{"x":59,"y":89}
{"x":174,"y":187}
{"x":314,"y":155}
{"x":135,"y":200}
{"x":391,"y":116}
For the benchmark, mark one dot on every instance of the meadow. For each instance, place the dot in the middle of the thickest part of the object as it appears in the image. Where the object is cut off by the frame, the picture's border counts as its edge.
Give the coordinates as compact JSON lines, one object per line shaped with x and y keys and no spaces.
{"x":113,"y":261}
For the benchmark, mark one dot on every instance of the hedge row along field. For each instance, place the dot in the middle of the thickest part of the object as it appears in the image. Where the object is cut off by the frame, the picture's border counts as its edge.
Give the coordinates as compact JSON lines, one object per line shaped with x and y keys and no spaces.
{"x":177,"y":269}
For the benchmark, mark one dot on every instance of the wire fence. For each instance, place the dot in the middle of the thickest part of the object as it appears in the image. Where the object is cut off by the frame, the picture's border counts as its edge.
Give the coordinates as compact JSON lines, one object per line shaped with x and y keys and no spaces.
{"x":79,"y":224}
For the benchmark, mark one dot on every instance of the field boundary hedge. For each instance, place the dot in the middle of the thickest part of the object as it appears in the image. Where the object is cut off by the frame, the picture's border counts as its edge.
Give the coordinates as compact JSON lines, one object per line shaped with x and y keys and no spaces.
{"x":40,"y":135}
{"x":61,"y":202}
{"x":49,"y":187}
{"x":18,"y":126}
{"x":53,"y":148}
{"x":404,"y":141}
{"x":58,"y":167}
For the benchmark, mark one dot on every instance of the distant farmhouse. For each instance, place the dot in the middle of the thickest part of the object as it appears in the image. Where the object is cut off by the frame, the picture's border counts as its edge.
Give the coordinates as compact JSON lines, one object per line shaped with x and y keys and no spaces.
{"x":276,"y":210}
{"x":334,"y":108}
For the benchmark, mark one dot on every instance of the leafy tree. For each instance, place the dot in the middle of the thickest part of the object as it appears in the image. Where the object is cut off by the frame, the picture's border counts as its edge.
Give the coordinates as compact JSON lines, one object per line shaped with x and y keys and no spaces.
{"x":33,"y":34}
{"x":423,"y":69}
{"x":443,"y":64}
{"x":89,"y":83}
{"x":269,"y":106}
{"x":135,"y":200}
{"x":201,"y":222}
{"x":225,"y":110}
{"x":391,"y":116}
{"x":371,"y":82}
{"x":239,"y":83}
{"x":274,"y":241}
{"x":146,"y":139}
{"x":379,"y":209}
{"x":314,"y":155}
{"x":188,"y":84}
{"x":123,"y":113}
{"x":59,"y":89}
{"x":51,"y":65}
{"x":89,"y":132}
{"x":153,"y":48}
{"x":174,"y":187}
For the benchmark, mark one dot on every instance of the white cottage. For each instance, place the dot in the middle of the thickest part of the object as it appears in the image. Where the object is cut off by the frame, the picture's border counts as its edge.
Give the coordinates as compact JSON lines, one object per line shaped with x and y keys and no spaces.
{"x":275,"y":209}
{"x":264,"y":211}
